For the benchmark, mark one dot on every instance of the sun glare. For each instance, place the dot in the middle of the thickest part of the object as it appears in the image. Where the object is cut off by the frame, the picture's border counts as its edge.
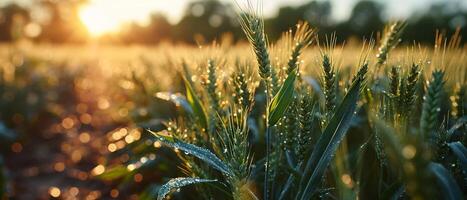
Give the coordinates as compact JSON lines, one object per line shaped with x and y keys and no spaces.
{"x":107,"y":16}
{"x":98,"y":19}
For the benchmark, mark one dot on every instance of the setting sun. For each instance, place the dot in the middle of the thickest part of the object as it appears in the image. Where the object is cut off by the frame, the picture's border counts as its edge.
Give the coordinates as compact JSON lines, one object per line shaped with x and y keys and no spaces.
{"x":107,"y":16}
{"x":97,"y":21}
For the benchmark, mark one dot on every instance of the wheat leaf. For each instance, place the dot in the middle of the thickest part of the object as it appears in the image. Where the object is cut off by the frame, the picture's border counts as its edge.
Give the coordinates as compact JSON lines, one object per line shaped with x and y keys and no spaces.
{"x":459,"y":124}
{"x":201,"y":153}
{"x":198,"y":109}
{"x":330,"y":140}
{"x":282,"y":99}
{"x":445,"y":180}
{"x":176,"y":183}
{"x":461,"y":152}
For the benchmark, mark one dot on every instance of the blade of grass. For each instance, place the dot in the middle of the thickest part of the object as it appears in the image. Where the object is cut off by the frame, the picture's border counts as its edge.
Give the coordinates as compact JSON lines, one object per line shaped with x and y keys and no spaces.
{"x":178,"y":183}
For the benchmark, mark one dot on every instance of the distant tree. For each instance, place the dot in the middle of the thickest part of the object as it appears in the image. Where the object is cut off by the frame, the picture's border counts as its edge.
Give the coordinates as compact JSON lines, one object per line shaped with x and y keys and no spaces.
{"x":64,"y":24}
{"x":441,"y":17}
{"x":365,"y":18}
{"x":159,"y":29}
{"x":12,"y":19}
{"x":317,"y":13}
{"x":208,"y":19}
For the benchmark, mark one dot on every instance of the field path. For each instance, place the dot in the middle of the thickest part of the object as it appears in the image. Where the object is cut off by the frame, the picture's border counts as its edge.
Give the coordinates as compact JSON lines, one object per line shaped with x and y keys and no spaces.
{"x":58,"y":155}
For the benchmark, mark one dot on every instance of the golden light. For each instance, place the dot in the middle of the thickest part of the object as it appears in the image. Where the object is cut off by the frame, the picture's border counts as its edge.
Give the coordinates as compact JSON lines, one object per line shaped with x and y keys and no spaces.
{"x":103,"y":103}
{"x":98,"y":19}
{"x":84,"y":137}
{"x":347,"y":180}
{"x":54,"y":192}
{"x":157,"y":144}
{"x":131,"y":167}
{"x":68,"y":123}
{"x":107,"y":16}
{"x":74,"y":191}
{"x":409,"y":151}
{"x":114,"y":193}
{"x":112,"y":147}
{"x":98,"y":170}
{"x":59,"y":166}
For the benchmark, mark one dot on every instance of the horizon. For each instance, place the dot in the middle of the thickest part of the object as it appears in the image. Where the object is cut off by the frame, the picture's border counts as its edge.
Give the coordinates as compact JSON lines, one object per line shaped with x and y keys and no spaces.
{"x":134,"y":21}
{"x":141,"y":10}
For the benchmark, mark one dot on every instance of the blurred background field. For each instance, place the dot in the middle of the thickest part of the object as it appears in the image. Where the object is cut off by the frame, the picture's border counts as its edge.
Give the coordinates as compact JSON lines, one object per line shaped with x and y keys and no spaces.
{"x":76,"y":86}
{"x":195,"y":22}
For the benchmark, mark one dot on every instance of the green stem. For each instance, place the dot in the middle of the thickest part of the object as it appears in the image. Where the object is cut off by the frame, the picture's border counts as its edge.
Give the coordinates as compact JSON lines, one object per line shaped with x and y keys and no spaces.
{"x":268,"y":146}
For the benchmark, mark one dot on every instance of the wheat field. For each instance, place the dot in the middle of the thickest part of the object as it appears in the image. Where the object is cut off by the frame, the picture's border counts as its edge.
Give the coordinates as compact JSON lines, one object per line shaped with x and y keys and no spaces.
{"x":291,"y":119}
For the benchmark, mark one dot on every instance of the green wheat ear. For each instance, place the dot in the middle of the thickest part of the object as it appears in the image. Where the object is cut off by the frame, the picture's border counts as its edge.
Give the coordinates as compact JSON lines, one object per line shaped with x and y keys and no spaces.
{"x":458,"y":101}
{"x":304,"y":137}
{"x":432,"y":104}
{"x":395,"y":81}
{"x":291,"y":122}
{"x":390,"y":40}
{"x":253,"y":26}
{"x":211,"y":86}
{"x":329,"y":81}
{"x":302,"y":39}
{"x":361,"y":74}
{"x":409,"y":95}
{"x":241,"y":81}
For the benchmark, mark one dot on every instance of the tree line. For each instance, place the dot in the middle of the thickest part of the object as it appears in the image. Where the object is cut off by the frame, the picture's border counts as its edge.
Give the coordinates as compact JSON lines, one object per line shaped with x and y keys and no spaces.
{"x":208,"y":20}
